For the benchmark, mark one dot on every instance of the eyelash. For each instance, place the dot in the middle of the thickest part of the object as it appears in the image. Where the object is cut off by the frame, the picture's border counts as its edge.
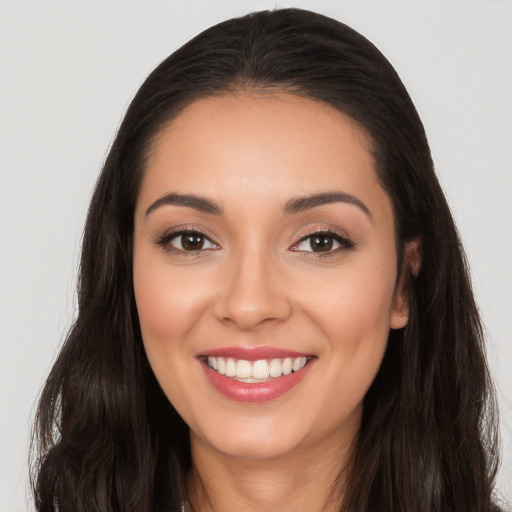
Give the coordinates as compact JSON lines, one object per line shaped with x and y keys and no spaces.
{"x":345,"y":243}
{"x":165,"y":241}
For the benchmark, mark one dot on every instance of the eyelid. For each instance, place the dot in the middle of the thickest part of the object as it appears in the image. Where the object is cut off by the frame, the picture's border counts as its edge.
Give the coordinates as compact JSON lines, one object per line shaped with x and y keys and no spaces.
{"x":340,"y":236}
{"x":346,"y":243}
{"x":164,"y":239}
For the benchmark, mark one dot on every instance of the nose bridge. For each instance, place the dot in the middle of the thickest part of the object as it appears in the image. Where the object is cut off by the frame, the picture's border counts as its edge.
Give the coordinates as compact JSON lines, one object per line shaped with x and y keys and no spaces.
{"x":251,"y":294}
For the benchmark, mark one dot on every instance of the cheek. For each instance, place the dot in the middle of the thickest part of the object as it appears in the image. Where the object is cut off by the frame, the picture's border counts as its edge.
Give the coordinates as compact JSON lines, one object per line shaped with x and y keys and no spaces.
{"x":169,"y":304}
{"x":354,"y":316}
{"x":169,"y":301}
{"x":355,"y":306}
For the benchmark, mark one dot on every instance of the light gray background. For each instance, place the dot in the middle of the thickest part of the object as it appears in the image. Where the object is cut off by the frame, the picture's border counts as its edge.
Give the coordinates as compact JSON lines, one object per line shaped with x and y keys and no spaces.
{"x":68,"y":70}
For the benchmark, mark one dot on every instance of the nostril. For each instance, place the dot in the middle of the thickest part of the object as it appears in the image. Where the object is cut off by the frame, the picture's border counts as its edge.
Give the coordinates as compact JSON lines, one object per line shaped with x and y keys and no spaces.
{"x":251,"y":293}
{"x":253,"y":312}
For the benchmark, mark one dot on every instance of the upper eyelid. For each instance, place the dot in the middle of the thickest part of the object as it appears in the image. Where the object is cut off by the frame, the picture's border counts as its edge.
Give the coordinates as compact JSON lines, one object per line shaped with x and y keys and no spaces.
{"x":339,"y":233}
{"x":298,"y":237}
{"x":164,"y":241}
{"x":181,"y":230}
{"x":345,"y":241}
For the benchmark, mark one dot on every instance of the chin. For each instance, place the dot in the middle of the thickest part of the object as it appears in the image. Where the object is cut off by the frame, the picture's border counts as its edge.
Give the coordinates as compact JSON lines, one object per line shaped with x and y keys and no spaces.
{"x":249,"y":438}
{"x":255,"y":447}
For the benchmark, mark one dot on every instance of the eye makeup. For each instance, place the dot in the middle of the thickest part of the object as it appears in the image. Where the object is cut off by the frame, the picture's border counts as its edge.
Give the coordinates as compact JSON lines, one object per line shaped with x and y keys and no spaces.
{"x":185,"y":241}
{"x":319,"y":242}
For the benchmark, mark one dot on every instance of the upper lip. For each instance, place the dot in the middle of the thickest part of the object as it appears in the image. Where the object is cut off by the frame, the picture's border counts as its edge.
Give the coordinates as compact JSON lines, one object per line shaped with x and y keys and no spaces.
{"x":253,"y":353}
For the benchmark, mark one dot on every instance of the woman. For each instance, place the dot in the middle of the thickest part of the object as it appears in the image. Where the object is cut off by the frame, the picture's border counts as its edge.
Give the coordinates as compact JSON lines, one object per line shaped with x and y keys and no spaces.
{"x":274,"y":309}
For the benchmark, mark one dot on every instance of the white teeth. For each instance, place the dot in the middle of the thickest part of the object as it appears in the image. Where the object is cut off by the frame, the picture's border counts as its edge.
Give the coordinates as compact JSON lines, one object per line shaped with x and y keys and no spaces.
{"x":230,"y":368}
{"x":298,"y":363}
{"x":252,"y":371}
{"x":260,"y":369}
{"x":221,"y":364}
{"x":276,"y":368}
{"x":287,"y":366}
{"x":243,"y":369}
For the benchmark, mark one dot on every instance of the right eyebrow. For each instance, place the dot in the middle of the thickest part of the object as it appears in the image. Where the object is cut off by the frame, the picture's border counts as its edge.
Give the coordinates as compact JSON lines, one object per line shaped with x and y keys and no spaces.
{"x":199,"y":203}
{"x":302,"y":203}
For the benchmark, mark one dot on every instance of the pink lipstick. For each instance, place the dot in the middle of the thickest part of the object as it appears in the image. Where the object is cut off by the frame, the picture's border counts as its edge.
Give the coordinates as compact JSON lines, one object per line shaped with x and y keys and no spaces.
{"x":255,"y":374}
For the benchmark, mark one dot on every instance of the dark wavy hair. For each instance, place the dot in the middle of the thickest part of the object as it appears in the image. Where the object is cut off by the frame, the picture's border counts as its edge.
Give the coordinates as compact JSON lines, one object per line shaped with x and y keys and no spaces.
{"x":108,"y":439}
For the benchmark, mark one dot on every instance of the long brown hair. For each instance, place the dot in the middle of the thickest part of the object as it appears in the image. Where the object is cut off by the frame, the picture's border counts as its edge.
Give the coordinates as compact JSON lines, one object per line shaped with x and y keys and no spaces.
{"x":107,"y":437}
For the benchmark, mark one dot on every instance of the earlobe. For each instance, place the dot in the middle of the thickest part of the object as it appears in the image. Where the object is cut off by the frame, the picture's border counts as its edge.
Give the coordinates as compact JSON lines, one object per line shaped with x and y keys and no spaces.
{"x":399,"y":319}
{"x":400,"y":312}
{"x":412,"y":263}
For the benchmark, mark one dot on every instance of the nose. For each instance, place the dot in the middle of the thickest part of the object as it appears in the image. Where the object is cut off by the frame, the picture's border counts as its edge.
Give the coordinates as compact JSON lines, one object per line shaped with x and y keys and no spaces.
{"x":252,"y":294}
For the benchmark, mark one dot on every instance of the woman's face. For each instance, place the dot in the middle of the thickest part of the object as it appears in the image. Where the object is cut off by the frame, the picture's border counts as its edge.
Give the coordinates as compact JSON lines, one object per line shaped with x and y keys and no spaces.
{"x":265,"y":273}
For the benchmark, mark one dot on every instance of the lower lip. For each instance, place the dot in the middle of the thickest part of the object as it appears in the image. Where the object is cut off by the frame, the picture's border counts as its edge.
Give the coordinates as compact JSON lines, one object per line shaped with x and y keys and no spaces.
{"x":254,"y":391}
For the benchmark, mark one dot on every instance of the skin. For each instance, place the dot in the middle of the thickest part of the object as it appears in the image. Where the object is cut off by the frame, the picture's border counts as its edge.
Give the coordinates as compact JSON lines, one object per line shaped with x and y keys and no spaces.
{"x":259,"y":283}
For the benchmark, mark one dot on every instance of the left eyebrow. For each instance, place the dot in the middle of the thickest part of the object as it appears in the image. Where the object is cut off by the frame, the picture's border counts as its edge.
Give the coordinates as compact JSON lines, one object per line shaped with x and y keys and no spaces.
{"x":300,"y":204}
{"x":199,"y":203}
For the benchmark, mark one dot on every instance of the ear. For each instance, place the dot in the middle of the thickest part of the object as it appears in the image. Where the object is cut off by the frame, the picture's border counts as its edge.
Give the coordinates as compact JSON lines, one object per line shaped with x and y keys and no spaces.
{"x":412,"y":263}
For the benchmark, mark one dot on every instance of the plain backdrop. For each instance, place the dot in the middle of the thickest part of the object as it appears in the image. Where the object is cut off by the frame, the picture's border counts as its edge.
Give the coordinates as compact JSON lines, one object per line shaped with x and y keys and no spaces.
{"x":68,"y":70}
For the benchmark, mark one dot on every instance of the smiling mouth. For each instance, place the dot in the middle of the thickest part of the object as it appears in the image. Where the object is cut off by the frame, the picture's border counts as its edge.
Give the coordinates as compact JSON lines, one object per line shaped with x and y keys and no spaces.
{"x":260,"y":371}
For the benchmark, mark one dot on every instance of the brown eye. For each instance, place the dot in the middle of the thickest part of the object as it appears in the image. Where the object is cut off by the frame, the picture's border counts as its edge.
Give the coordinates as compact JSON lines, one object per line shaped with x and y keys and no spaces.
{"x":321,"y":243}
{"x":192,"y":241}
{"x":188,"y":241}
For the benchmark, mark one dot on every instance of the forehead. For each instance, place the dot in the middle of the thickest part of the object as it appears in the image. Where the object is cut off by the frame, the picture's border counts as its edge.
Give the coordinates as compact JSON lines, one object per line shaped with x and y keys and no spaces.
{"x":257,"y":145}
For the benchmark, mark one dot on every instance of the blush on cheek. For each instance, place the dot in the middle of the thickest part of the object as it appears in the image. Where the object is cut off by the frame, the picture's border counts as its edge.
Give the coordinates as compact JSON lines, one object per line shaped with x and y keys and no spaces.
{"x":353,"y":310}
{"x":169,"y":302}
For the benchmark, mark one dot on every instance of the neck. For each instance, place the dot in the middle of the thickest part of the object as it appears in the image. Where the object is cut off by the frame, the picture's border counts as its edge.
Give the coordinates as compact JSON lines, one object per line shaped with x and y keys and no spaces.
{"x":310,"y":479}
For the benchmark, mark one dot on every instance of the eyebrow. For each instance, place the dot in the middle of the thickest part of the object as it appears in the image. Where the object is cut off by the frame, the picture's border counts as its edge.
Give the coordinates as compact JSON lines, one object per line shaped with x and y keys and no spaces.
{"x":199,"y":203}
{"x":295,"y":205}
{"x":300,"y":204}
